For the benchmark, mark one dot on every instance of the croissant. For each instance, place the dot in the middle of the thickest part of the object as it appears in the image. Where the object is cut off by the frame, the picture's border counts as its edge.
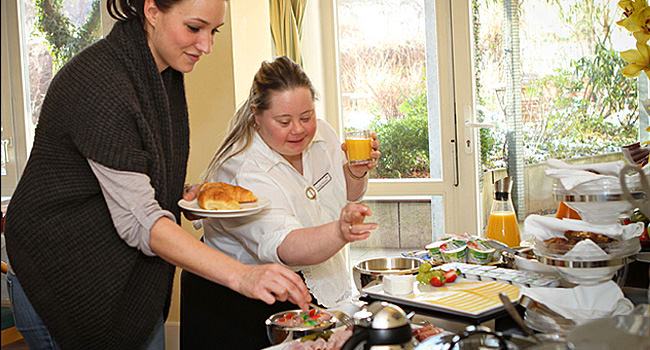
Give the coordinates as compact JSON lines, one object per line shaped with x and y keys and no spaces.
{"x":222,"y":196}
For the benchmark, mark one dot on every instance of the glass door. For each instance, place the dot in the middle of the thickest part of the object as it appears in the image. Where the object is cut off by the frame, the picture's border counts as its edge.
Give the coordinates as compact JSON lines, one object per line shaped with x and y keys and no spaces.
{"x":548,"y":75}
{"x":396,"y":64}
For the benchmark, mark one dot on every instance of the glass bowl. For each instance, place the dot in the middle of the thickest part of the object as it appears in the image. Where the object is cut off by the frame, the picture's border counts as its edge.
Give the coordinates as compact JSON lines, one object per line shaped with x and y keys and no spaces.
{"x":600,"y":202}
{"x":588,"y":269}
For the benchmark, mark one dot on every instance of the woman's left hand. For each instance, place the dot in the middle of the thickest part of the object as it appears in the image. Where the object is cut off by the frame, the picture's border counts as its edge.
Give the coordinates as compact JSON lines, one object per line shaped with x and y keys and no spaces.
{"x":360,"y":170}
{"x":351,"y":223}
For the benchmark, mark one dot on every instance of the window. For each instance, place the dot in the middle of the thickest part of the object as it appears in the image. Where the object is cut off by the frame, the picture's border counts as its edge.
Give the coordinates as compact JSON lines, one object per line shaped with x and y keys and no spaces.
{"x":37,"y":39}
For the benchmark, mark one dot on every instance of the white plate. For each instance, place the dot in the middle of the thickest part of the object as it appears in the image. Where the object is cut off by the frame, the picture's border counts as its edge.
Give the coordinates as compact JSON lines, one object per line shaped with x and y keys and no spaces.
{"x":247,"y":209}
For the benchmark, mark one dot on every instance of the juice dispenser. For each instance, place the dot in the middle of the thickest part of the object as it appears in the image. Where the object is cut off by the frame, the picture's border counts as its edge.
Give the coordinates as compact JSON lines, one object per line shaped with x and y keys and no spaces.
{"x":503,"y":225}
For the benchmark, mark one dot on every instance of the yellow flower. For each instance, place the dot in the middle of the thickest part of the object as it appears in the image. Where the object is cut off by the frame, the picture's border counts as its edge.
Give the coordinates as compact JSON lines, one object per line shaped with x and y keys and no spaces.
{"x":639,"y":60}
{"x":638,"y":21}
{"x":631,"y":6}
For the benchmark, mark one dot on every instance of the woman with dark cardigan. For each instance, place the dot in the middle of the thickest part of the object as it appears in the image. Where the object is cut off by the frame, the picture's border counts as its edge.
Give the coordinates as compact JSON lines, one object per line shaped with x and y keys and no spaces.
{"x":92,"y":229}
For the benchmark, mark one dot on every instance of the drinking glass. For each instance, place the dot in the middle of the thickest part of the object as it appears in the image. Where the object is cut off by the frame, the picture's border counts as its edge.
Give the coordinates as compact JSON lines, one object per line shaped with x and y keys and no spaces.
{"x":358,"y":144}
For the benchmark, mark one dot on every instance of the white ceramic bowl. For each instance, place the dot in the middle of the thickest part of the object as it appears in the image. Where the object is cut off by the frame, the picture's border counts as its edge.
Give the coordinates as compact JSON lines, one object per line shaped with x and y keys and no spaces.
{"x":398,"y":284}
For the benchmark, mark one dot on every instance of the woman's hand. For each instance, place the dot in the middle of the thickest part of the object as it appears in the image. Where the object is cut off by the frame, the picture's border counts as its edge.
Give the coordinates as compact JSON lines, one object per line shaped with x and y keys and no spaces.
{"x":271,"y":282}
{"x":189,"y":194}
{"x":351,"y":223}
{"x":360,"y":170}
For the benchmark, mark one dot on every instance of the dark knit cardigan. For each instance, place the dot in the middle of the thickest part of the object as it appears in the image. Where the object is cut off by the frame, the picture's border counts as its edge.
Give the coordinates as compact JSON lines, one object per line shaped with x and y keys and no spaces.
{"x":109,"y":104}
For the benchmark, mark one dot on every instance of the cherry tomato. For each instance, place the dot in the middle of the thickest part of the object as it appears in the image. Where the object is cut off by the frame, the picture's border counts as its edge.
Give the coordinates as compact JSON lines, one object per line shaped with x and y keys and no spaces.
{"x":437,"y":281}
{"x":450,"y":276}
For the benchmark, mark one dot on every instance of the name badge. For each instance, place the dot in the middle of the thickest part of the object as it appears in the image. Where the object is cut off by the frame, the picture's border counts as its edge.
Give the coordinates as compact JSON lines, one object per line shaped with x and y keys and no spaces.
{"x":324,"y":180}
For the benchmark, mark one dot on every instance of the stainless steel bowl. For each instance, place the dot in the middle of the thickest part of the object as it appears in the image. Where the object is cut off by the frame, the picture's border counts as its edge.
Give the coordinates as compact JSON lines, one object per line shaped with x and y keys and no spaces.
{"x":279,"y":334}
{"x":372,"y":271}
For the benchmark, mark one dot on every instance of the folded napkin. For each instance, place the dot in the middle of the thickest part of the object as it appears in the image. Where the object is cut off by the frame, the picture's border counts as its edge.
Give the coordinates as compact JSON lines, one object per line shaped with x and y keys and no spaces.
{"x":571,"y":176}
{"x":584,"y":302}
{"x":608,"y":168}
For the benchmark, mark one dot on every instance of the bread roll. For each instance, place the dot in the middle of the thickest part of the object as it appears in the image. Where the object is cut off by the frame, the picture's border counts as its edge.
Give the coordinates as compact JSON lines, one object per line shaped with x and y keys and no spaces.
{"x":222,"y":196}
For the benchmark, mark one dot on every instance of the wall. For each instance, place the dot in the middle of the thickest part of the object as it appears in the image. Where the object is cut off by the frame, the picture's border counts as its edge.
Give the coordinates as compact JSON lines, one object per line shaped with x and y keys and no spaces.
{"x":401,"y":224}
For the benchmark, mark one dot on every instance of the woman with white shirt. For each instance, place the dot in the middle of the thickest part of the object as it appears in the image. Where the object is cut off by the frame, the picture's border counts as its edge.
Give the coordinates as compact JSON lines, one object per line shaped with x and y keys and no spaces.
{"x":277,"y":148}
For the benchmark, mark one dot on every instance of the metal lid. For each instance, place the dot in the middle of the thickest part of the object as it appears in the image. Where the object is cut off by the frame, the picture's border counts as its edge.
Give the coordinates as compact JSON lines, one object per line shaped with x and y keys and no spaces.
{"x":381,"y":315}
{"x":502,"y":188}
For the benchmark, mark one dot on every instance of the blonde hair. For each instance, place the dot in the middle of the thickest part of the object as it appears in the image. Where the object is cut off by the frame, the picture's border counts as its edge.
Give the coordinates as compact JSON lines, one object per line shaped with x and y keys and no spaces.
{"x":280,"y":74}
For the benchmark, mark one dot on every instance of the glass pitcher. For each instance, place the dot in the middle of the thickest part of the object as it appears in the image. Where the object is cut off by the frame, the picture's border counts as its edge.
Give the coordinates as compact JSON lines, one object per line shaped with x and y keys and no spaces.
{"x":503,"y":225}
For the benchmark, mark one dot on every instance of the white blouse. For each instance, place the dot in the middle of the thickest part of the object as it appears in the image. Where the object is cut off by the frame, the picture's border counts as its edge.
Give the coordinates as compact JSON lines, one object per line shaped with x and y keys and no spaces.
{"x":297,"y":201}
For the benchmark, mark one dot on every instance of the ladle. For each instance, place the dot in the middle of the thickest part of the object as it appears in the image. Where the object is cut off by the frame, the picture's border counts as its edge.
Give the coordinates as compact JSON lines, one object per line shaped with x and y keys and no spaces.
{"x":512,"y":311}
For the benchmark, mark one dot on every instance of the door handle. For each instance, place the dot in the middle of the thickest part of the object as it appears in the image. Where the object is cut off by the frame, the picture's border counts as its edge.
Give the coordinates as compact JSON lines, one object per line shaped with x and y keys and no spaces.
{"x":6,"y":143}
{"x":470,"y":125}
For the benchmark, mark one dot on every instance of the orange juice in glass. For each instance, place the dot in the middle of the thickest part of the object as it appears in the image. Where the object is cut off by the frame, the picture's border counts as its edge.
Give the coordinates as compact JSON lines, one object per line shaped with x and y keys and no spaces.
{"x":358,"y":145}
{"x":503,"y":227}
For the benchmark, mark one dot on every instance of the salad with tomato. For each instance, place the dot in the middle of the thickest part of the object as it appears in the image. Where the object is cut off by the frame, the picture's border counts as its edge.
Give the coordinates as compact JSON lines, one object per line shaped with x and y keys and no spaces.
{"x":435,"y":277}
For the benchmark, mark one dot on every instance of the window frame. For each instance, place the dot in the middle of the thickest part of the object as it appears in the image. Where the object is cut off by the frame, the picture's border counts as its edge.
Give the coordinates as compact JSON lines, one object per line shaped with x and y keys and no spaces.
{"x":15,"y":99}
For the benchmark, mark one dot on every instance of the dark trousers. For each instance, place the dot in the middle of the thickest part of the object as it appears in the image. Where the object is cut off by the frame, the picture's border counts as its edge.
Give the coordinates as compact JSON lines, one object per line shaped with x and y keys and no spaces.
{"x":216,"y":317}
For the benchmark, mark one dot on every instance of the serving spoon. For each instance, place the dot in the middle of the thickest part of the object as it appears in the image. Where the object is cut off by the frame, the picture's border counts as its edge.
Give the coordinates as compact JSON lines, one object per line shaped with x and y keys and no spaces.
{"x":512,"y":311}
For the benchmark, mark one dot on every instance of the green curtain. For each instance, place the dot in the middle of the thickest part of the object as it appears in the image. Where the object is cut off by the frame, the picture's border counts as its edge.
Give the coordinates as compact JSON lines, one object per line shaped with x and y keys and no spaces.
{"x":286,"y":27}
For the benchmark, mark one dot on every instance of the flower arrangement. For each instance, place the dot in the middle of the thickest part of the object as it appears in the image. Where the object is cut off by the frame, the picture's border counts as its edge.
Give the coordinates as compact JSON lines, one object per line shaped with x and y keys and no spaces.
{"x":637,"y":21}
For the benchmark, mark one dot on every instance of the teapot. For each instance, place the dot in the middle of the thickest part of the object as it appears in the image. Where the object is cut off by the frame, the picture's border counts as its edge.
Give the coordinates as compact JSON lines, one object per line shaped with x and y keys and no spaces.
{"x":381,"y":325}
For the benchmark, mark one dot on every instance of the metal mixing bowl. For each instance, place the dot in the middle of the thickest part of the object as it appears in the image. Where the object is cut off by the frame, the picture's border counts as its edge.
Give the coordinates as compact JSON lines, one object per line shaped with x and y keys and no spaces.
{"x":279,"y":334}
{"x":372,"y":270}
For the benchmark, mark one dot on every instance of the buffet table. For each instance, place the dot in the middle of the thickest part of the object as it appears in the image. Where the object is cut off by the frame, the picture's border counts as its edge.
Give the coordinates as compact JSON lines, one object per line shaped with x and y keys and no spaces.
{"x":497,"y":319}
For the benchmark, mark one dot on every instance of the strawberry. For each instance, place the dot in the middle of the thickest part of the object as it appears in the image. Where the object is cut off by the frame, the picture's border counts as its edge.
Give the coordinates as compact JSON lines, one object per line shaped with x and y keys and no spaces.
{"x":437,"y":281}
{"x":450,"y":276}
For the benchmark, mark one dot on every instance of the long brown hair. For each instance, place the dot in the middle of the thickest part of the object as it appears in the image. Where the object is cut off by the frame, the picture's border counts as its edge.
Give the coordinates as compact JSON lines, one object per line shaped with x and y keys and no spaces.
{"x":124,"y":10}
{"x":280,"y":74}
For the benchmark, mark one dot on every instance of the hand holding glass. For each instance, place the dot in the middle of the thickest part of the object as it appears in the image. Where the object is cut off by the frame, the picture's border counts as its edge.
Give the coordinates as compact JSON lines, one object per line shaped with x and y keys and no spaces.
{"x":358,"y":144}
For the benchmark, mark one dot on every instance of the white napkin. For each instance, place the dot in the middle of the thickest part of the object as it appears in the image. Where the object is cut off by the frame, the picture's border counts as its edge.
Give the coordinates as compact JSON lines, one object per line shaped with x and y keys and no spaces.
{"x":586,"y":248}
{"x":545,"y":227}
{"x":608,"y":168}
{"x":571,"y":176}
{"x":584,"y":302}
